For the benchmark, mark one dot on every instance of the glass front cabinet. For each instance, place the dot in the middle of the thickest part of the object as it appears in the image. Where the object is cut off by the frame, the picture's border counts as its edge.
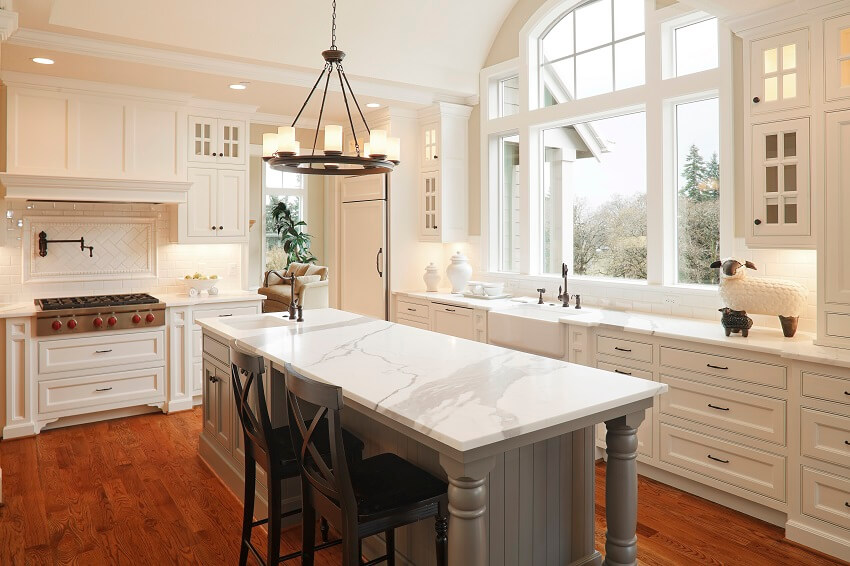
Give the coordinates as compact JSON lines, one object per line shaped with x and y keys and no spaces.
{"x":780,"y":196}
{"x":779,"y":72}
{"x":836,"y":51}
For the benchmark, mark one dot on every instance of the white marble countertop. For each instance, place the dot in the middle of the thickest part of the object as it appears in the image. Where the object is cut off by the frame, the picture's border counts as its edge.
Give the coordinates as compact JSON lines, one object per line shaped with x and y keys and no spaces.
{"x":761,"y":339}
{"x":183,"y":299}
{"x":461,"y":394}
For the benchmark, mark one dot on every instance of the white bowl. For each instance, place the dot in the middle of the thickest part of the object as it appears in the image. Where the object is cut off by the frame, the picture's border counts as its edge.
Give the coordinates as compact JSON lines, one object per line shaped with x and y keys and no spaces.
{"x":493,"y":289}
{"x":194,"y":287}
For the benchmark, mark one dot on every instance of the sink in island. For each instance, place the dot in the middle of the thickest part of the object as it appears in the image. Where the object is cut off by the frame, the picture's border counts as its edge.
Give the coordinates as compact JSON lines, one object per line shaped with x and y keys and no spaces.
{"x":512,"y":432}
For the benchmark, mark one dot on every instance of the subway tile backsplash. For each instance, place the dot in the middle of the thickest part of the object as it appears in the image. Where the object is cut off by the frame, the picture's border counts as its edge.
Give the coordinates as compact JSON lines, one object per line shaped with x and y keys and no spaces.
{"x":173,"y":261}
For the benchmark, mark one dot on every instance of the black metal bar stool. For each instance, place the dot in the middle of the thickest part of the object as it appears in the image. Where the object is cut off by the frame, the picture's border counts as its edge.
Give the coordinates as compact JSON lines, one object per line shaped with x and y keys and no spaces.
{"x":271,"y":449}
{"x":378,"y":495}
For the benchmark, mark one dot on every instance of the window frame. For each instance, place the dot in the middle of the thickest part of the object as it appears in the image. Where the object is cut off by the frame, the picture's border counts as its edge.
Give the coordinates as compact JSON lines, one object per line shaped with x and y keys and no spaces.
{"x":657,"y":97}
{"x":302,"y":193}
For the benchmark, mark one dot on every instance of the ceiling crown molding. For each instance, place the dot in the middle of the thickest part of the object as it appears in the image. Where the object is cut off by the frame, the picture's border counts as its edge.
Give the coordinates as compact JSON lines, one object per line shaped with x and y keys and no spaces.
{"x":8,"y":24}
{"x":83,"y":189}
{"x":216,"y":66}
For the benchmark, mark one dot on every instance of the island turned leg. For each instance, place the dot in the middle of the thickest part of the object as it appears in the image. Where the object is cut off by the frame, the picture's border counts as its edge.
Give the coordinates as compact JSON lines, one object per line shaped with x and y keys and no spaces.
{"x":467,"y":506}
{"x":621,"y":495}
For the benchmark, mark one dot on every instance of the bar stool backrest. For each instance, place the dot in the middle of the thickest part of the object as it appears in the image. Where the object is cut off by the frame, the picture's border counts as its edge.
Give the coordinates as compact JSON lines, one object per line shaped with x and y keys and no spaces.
{"x":247,"y":375}
{"x":333,"y":481}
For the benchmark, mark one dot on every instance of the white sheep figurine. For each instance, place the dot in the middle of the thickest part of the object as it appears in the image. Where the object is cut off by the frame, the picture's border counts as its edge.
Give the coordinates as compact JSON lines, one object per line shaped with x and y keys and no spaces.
{"x":761,"y":295}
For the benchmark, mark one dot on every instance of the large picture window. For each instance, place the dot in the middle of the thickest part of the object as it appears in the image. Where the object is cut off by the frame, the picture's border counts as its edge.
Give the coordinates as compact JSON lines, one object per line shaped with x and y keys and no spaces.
{"x":594,"y":197}
{"x":278,"y":187}
{"x":509,"y":228}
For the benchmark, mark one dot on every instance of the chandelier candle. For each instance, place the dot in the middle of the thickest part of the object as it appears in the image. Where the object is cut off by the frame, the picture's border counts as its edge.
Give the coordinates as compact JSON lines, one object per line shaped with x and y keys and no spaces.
{"x":378,"y":139}
{"x":333,"y":140}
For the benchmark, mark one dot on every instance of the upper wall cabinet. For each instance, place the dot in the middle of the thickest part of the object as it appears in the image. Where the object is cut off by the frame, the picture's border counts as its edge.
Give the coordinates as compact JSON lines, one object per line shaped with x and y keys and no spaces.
{"x":51,"y":132}
{"x":213,"y":140}
{"x":836,"y":53}
{"x":443,"y":180}
{"x":779,"y":72}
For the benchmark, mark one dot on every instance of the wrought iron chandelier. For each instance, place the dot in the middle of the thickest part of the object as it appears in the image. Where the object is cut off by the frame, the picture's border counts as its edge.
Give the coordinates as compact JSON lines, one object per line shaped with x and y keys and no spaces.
{"x":380,"y":155}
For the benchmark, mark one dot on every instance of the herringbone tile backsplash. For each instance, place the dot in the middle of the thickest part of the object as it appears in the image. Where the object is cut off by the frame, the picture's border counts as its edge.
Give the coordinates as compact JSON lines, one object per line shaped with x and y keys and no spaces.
{"x":132,"y":252}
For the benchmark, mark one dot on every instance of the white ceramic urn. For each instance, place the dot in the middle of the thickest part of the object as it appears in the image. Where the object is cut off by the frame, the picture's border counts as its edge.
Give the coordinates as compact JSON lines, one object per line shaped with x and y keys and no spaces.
{"x":459,"y":272}
{"x":432,"y":278}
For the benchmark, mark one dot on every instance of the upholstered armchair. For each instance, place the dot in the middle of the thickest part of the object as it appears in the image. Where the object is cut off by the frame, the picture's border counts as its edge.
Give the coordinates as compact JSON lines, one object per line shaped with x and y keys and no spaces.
{"x":311,"y":287}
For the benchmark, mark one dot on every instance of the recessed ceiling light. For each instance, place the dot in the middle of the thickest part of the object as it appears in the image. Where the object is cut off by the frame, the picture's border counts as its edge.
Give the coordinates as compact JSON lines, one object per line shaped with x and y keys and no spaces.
{"x":239,"y":86}
{"x":42,"y":60}
{"x":373,"y":105}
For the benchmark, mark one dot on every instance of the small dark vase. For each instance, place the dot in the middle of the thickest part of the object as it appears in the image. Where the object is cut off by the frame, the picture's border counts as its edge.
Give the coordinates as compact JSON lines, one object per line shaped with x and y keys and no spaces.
{"x":736,"y":321}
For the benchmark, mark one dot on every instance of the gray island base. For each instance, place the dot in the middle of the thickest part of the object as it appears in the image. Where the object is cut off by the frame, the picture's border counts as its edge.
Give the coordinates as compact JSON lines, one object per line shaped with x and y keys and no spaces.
{"x":512,"y":432}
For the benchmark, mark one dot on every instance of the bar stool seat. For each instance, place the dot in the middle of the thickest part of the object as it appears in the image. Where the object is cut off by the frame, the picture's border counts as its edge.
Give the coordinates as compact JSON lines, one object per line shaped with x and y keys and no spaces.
{"x":387,"y":483}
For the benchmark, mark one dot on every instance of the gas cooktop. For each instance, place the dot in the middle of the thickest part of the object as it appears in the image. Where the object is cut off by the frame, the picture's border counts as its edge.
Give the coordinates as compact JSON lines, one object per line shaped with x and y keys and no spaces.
{"x":94,"y":301}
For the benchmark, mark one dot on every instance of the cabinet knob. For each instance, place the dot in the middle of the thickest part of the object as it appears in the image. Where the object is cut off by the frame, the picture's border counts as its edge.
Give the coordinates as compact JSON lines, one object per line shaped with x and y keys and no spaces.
{"x":213,"y":379}
{"x":756,"y":100}
{"x":436,"y":157}
{"x":221,"y":227}
{"x":757,"y":221}
{"x":212,"y":227}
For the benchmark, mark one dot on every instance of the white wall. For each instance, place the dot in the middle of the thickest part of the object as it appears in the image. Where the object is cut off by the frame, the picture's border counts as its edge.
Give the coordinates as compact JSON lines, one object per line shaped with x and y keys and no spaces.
{"x":173,"y":260}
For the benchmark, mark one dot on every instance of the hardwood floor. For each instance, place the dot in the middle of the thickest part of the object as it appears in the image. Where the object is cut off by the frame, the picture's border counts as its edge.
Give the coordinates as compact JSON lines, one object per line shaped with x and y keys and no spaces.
{"x":134,"y":491}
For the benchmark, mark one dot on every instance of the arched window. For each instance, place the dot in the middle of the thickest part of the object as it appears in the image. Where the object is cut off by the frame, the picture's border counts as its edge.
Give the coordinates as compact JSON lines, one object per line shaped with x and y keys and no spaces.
{"x":595,"y":48}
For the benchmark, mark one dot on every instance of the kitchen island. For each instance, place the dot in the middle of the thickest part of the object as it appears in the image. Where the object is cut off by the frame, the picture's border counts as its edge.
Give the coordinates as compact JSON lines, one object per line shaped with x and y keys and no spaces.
{"x":512,"y":432}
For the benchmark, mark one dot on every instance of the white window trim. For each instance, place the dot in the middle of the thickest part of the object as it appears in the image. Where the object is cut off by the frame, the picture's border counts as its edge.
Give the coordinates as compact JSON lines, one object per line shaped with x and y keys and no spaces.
{"x":656,"y":97}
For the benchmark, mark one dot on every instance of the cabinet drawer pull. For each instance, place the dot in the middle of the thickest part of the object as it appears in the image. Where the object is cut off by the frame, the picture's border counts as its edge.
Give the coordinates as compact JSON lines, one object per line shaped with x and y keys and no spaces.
{"x":847,"y":442}
{"x":718,"y":459}
{"x":224,"y":315}
{"x":718,"y":408}
{"x":411,"y":310}
{"x":847,"y":503}
{"x":450,"y":310}
{"x":104,"y":389}
{"x":847,"y":392}
{"x":715,"y":367}
{"x":622,"y":372}
{"x":102,"y":351}
{"x":621,"y":349}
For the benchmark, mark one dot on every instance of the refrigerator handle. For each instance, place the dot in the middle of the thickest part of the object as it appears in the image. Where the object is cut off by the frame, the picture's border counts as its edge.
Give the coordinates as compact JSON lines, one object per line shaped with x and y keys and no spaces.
{"x":378,"y":262}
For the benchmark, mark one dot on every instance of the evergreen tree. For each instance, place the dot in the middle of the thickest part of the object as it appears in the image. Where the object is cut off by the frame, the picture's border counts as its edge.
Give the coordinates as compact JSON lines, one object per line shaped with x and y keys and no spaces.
{"x":710,"y":187}
{"x":694,"y":173}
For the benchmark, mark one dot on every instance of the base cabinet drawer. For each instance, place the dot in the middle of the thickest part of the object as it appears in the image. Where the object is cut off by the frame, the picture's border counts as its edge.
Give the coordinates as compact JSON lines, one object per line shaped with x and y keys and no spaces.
{"x":825,"y":436}
{"x":742,"y":413}
{"x":741,"y":370}
{"x":92,"y":352}
{"x":217,"y":350}
{"x":454,"y":321}
{"x":826,"y":497}
{"x":622,"y":348}
{"x":415,"y":323}
{"x":72,"y":395}
{"x":222,"y":312}
{"x":741,"y":466}
{"x":826,"y":387}
{"x":412,"y":310}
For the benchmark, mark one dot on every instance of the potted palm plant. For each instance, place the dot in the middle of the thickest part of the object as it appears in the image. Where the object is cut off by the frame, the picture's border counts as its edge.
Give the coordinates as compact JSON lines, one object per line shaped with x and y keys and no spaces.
{"x":295,"y":241}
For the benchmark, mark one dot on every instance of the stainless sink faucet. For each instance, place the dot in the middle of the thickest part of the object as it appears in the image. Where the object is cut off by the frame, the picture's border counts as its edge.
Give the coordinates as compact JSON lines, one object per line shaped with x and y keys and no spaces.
{"x":564,"y":296}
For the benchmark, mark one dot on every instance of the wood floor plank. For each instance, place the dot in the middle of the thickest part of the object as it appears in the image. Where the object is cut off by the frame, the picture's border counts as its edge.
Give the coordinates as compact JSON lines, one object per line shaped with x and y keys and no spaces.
{"x":134,"y":491}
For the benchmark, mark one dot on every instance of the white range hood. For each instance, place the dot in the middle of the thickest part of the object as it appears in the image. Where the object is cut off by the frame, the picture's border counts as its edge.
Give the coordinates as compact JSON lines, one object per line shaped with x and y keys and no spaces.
{"x":83,"y":189}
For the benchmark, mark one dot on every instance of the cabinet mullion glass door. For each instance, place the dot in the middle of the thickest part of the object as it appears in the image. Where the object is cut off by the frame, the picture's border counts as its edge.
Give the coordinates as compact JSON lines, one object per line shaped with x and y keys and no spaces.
{"x":429,"y":205}
{"x":779,"y":72}
{"x":430,"y":146}
{"x":231,"y":142}
{"x":781,"y":196}
{"x":836,"y":52}
{"x":203,"y":139}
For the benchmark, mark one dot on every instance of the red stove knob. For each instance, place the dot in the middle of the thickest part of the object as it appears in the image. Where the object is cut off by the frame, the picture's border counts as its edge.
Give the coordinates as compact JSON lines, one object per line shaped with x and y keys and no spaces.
{"x":149,"y":317}
{"x":98,"y":322}
{"x":112,"y":321}
{"x":57,"y":324}
{"x":136,"y":318}
{"x":72,"y":324}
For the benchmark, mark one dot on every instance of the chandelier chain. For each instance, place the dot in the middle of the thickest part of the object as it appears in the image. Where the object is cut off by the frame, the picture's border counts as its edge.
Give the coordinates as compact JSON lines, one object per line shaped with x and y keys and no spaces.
{"x":333,"y":27}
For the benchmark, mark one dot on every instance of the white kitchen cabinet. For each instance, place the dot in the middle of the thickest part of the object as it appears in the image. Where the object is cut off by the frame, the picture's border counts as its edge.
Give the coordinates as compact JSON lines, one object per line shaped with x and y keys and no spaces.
{"x":217,"y":141}
{"x":780,"y":200}
{"x":453,"y":320}
{"x":216,"y":208}
{"x":181,"y":384}
{"x":836,"y":55}
{"x":443,"y":182}
{"x":779,"y":72}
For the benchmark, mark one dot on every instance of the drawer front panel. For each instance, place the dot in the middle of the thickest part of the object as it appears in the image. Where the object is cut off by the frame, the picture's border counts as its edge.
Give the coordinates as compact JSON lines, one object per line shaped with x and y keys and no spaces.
{"x":81,"y":394}
{"x":826,"y":497}
{"x":747,"y":468}
{"x":826,"y":387}
{"x":412,"y":310}
{"x":421,"y":324}
{"x":223,"y":312}
{"x":624,"y":349}
{"x":92,"y":352}
{"x":740,"y":370}
{"x":825,"y":436}
{"x":217,"y":349}
{"x":625,"y":370}
{"x":742,"y":413}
